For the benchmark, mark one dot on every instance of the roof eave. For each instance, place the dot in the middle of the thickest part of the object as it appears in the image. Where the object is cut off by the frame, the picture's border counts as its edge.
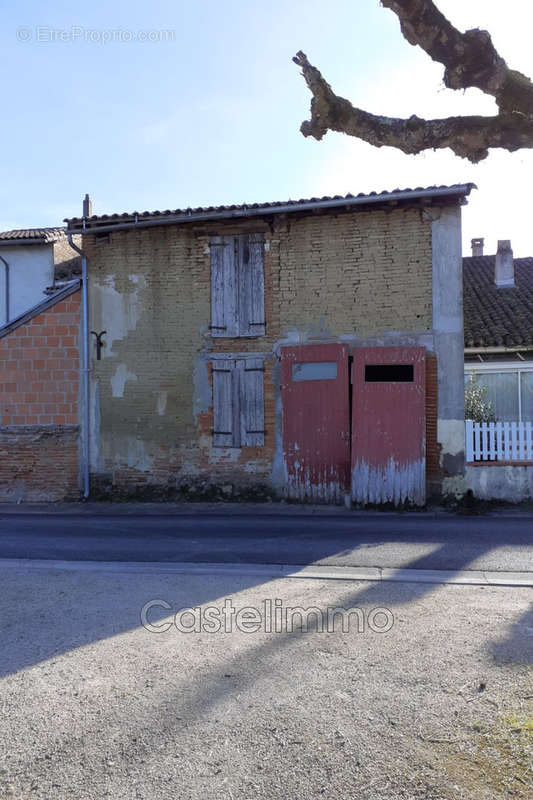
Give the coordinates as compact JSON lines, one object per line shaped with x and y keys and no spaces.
{"x":25,"y":242}
{"x":515,"y":349}
{"x":84,"y":225}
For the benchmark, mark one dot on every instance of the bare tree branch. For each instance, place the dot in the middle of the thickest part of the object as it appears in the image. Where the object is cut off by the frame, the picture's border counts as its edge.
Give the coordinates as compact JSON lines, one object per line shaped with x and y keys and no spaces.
{"x":470,"y":60}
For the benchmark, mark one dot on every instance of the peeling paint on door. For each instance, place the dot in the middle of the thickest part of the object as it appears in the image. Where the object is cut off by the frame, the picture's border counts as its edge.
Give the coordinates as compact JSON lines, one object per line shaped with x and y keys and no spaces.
{"x":316,"y":422}
{"x":388,"y":425}
{"x":395,"y":482}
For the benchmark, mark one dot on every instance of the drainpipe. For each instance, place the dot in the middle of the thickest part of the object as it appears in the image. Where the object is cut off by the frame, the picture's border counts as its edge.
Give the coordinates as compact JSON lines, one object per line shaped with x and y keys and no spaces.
{"x":86,"y":368}
{"x":6,"y":265}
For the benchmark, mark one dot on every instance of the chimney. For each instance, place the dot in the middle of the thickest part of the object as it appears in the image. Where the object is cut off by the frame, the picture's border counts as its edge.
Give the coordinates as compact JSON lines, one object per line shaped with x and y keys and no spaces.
{"x":87,"y":207}
{"x":504,"y":265}
{"x":477,"y":247}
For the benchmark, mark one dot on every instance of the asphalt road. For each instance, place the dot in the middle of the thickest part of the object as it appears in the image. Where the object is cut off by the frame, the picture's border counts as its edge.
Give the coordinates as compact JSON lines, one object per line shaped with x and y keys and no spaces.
{"x":415,"y":541}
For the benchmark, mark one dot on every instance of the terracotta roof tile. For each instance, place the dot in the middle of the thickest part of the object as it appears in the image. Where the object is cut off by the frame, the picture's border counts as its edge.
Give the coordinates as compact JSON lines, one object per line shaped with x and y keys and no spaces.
{"x":42,"y":235}
{"x":401,"y":195}
{"x":497,"y":317}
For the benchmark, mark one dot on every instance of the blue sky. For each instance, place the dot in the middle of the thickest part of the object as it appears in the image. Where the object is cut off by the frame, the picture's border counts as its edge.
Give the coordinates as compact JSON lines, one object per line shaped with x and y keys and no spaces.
{"x":211,"y":113}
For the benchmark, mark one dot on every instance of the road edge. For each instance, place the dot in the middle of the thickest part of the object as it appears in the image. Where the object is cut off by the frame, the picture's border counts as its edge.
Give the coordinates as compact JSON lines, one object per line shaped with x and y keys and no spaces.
{"x":283,"y":571}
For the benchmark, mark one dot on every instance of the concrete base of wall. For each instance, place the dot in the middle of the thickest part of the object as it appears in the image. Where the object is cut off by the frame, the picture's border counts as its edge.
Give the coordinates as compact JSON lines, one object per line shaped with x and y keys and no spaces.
{"x":513,"y":484}
{"x":39,"y":463}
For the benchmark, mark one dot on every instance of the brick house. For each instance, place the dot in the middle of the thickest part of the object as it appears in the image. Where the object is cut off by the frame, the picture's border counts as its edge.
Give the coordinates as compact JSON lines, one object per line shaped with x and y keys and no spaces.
{"x":39,"y":429}
{"x":309,"y":349}
{"x":39,"y":357}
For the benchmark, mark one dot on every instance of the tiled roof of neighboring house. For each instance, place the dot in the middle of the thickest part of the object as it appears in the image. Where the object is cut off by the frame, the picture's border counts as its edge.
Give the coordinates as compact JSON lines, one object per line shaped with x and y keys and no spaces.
{"x":33,"y":235}
{"x":454,"y":193}
{"x":497,"y":317}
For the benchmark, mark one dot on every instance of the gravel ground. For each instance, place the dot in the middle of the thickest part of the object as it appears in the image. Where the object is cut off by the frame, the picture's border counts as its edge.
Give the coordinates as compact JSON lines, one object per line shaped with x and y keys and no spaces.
{"x":93,"y":705}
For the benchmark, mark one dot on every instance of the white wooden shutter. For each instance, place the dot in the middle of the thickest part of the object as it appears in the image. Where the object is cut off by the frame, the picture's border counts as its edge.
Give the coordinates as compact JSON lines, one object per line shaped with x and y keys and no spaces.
{"x":251,"y":283}
{"x":251,"y":399}
{"x":223,"y":286}
{"x":223,"y":404}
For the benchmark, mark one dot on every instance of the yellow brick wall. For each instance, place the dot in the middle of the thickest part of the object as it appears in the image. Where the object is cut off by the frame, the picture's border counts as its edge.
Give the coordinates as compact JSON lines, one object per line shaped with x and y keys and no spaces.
{"x":335,"y":274}
{"x":367,"y":272}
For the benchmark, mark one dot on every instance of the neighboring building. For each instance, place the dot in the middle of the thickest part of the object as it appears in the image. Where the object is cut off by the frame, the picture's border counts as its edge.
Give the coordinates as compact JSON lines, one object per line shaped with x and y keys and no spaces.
{"x":39,"y":429}
{"x":309,"y":349}
{"x":39,"y":353}
{"x":498,"y":323}
{"x":32,"y":260}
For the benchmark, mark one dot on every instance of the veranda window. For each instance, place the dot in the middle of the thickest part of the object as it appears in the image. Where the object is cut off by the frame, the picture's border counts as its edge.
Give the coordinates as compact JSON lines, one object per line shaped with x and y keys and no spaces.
{"x":509,"y":390}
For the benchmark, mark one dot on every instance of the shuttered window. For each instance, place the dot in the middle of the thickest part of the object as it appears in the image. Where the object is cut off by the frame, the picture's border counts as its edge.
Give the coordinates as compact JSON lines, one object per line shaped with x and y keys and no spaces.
{"x":237,"y":285}
{"x":238,"y":402}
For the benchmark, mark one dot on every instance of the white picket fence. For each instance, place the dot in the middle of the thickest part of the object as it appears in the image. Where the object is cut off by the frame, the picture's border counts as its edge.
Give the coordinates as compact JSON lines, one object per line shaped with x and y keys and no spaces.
{"x":499,"y":441}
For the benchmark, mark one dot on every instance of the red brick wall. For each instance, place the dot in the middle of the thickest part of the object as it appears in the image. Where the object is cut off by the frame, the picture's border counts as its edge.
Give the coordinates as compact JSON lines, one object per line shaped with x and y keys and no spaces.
{"x":39,"y":463}
{"x":39,"y":368}
{"x":39,"y":381}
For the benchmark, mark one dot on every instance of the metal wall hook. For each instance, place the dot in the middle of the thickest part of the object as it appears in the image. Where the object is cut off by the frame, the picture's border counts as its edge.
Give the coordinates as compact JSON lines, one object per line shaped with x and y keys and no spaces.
{"x":99,"y":343}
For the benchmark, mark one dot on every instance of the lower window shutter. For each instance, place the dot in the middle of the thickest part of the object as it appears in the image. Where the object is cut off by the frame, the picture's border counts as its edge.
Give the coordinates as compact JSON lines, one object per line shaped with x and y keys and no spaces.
{"x":252,"y":402}
{"x":223,"y":406}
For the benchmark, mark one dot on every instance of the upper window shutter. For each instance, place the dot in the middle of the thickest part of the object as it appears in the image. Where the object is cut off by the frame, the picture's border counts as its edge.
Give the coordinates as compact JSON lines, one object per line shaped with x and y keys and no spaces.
{"x":223,"y":286}
{"x":252,"y":416}
{"x":223,"y":416}
{"x":251,"y":285}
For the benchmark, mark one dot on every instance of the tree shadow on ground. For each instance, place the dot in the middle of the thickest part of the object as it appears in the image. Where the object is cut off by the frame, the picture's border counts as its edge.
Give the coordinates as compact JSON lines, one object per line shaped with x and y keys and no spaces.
{"x":48,"y":621}
{"x":63,"y":611}
{"x":517,"y":645}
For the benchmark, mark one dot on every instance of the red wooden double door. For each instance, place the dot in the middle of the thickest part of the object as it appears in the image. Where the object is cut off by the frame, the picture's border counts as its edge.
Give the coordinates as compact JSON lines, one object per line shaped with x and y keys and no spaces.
{"x":354,"y":426}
